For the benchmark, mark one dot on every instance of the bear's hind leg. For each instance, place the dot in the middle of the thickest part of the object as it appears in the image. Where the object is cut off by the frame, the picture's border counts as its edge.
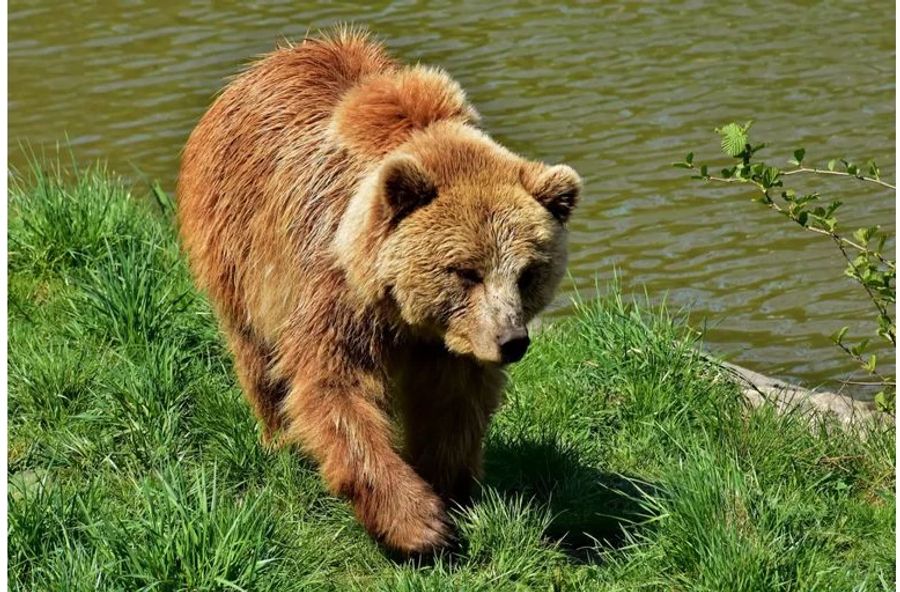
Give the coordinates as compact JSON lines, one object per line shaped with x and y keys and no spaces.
{"x":263,"y":392}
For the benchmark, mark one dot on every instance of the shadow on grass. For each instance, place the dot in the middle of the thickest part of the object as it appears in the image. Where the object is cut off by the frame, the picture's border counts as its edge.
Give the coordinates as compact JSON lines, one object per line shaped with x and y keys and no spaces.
{"x":591,"y":508}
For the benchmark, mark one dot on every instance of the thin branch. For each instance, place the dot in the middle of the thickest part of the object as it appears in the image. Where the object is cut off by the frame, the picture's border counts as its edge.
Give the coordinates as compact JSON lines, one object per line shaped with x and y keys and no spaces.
{"x":887,"y":382}
{"x":856,"y":357}
{"x":839,"y":173}
{"x":845,"y":241}
{"x":840,"y":242}
{"x":882,"y":311}
{"x":890,"y":264}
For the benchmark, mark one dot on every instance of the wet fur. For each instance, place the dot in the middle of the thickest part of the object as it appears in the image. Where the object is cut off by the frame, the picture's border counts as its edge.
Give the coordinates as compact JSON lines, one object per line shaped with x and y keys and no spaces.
{"x":322,"y":200}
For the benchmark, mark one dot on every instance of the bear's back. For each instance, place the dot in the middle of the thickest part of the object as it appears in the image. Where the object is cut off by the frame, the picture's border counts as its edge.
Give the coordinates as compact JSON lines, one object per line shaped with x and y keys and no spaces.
{"x":258,"y":175}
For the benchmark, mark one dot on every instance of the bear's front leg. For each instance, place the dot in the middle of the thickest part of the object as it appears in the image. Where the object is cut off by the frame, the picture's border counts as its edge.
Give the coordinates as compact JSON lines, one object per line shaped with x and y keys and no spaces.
{"x":339,"y":419}
{"x":446,"y":413}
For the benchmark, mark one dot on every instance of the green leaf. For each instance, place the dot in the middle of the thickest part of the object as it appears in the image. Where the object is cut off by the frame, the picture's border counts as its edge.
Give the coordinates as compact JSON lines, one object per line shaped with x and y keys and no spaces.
{"x":871,"y":363}
{"x":885,"y":328}
{"x":734,"y":139}
{"x":831,"y":164}
{"x":682,"y":165}
{"x":770,"y":176}
{"x":689,"y":158}
{"x":882,"y":401}
{"x":809,"y":197}
{"x":838,"y":336}
{"x":864,"y":235}
{"x":799,"y":153}
{"x":832,"y":207}
{"x":874,"y":170}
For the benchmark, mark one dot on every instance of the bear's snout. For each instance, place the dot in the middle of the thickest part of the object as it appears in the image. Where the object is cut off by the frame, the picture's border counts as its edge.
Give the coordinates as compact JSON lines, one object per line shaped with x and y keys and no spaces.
{"x":513,"y":344}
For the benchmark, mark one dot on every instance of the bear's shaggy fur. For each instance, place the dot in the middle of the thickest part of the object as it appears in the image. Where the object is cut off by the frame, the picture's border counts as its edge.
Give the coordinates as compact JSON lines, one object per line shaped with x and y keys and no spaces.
{"x":373,"y":258}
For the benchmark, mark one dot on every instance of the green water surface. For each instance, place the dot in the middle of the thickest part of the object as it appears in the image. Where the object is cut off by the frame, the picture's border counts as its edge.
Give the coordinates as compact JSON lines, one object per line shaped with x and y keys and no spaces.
{"x":617,"y":90}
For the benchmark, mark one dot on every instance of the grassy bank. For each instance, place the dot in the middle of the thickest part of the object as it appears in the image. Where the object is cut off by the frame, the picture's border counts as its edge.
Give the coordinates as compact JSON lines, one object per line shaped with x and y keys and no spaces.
{"x":621,"y":460}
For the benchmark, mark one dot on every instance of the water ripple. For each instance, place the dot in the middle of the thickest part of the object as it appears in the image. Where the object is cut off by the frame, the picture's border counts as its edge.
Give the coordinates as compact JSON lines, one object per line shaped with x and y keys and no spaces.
{"x":618,"y":91}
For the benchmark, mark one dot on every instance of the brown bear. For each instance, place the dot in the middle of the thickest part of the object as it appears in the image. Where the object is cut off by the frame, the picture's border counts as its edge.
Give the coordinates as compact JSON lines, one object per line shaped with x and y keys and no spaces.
{"x":373,"y":258}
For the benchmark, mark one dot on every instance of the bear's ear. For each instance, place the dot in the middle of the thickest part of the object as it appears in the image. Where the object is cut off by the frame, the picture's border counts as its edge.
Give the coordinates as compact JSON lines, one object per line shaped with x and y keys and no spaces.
{"x":406,"y":187}
{"x":556,"y":188}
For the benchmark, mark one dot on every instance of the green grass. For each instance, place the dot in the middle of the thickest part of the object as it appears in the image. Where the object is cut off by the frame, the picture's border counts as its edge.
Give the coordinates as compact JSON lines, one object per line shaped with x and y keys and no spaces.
{"x":622,"y":460}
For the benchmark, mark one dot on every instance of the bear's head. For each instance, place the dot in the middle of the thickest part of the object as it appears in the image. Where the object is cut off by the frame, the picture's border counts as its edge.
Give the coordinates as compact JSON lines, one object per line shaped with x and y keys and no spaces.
{"x":463,"y":239}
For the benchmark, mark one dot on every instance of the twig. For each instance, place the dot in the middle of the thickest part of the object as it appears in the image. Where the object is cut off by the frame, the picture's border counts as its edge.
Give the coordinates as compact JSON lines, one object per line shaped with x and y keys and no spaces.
{"x":856,"y":357}
{"x":867,"y":383}
{"x":839,"y":173}
{"x":882,"y":311}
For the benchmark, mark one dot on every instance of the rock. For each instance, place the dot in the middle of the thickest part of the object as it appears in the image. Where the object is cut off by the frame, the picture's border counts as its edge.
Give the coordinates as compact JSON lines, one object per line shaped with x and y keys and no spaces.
{"x":760,"y":389}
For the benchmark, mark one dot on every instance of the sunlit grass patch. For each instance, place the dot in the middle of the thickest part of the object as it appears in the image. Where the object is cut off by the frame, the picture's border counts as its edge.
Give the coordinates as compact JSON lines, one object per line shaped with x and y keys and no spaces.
{"x":62,"y":219}
{"x":622,"y":459}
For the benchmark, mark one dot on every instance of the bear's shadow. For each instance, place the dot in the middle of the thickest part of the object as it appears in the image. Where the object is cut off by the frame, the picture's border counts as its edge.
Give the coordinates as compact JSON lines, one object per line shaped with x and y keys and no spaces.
{"x":590,"y":508}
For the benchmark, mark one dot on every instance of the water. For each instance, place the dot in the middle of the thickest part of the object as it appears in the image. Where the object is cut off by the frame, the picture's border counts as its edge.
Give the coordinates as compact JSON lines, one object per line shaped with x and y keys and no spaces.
{"x":618,"y":92}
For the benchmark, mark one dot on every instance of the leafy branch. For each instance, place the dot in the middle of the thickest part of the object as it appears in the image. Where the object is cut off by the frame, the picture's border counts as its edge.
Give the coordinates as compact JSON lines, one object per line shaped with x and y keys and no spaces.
{"x":816,"y":171}
{"x":867,"y":263}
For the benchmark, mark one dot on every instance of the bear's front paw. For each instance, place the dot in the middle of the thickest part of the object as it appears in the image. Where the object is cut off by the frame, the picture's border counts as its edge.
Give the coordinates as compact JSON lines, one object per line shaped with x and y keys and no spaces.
{"x":419,"y":526}
{"x":407,"y":517}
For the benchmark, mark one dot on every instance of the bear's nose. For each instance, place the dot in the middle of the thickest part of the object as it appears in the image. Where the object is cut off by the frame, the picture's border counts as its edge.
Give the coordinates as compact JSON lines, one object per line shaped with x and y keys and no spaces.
{"x":513,"y":344}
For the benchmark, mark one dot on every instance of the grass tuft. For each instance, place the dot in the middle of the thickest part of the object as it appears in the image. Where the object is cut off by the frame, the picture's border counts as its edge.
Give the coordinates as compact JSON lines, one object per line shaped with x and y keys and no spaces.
{"x":132,"y":298}
{"x":47,"y":235}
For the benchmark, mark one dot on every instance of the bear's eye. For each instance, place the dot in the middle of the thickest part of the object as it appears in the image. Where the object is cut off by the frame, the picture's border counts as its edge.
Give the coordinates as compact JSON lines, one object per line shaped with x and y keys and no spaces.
{"x":527,"y":277}
{"x":468,"y":275}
